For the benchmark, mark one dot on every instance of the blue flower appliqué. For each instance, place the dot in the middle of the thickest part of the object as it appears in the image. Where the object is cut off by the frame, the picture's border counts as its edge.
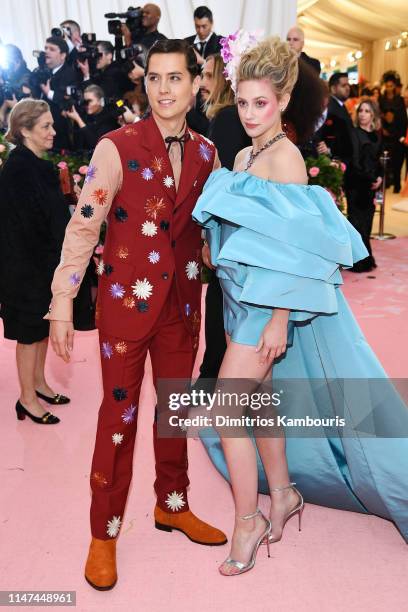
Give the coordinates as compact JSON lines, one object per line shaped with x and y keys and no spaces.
{"x":142,"y":306}
{"x":120,"y":214}
{"x":87,"y":211}
{"x":119,"y":394}
{"x":133,"y":165}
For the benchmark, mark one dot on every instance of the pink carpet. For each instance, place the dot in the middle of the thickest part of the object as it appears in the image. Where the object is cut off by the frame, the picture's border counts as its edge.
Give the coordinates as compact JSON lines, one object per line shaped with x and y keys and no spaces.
{"x":340,"y":561}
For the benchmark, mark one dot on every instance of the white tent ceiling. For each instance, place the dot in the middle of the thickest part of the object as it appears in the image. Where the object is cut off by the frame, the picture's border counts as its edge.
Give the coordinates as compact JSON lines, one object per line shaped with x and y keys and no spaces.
{"x":336,"y":27}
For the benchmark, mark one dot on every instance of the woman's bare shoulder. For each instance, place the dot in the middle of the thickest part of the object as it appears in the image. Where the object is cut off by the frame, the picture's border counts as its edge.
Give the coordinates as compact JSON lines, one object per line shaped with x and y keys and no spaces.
{"x":285,"y":164}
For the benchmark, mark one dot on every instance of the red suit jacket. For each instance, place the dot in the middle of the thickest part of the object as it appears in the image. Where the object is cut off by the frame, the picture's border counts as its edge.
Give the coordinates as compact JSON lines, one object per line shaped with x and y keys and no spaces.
{"x":151,"y":236}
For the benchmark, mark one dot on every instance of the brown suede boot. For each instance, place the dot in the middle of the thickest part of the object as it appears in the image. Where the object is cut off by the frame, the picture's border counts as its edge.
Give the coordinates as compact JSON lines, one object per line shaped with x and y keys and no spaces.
{"x":100,"y":569}
{"x":194,"y":528}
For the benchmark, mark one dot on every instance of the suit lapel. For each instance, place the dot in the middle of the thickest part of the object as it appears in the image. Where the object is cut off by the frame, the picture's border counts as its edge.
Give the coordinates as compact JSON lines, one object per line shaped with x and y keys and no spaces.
{"x":191,"y":167}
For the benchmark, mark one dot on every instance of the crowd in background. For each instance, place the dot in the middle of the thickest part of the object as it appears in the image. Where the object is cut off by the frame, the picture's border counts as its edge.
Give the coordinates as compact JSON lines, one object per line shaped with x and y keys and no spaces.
{"x":93,"y":86}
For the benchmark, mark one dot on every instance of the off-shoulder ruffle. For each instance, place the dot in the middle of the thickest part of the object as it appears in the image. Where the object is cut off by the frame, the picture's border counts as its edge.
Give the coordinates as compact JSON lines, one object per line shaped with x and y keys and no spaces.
{"x":289,"y":241}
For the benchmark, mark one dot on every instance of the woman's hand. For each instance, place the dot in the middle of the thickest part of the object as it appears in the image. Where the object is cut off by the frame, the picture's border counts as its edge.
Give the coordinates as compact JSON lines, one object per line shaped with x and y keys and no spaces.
{"x":75,"y":116}
{"x":62,"y":338}
{"x":273,"y":340}
{"x":322,"y":148}
{"x":206,"y":255}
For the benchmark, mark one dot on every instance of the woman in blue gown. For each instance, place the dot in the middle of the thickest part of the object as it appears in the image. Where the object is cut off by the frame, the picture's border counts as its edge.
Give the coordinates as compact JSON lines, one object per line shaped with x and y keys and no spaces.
{"x":278,"y":244}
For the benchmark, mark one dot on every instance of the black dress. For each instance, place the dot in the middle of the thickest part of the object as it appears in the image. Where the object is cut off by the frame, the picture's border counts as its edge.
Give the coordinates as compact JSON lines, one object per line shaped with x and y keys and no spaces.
{"x":230,"y":138}
{"x":364,"y":170}
{"x":33,"y":216}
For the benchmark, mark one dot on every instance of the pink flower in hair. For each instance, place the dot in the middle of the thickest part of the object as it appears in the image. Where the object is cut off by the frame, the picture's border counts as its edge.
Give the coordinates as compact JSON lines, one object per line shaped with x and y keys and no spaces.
{"x":314,"y":171}
{"x":63,"y":165}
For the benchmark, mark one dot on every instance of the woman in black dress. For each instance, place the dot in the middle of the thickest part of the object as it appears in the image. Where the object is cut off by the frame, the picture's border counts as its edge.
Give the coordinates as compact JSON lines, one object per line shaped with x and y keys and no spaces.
{"x":365,"y":175}
{"x":228,"y":135}
{"x":33,"y":217}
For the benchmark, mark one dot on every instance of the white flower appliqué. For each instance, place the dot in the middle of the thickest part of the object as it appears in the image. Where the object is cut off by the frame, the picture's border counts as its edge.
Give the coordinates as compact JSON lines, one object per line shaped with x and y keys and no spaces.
{"x":175,"y":501}
{"x":154,"y":257}
{"x":149,"y":229}
{"x":114,"y":526}
{"x":100,"y":267}
{"x":168,"y":181}
{"x":192,"y":270}
{"x":142,"y":289}
{"x":117,"y":438}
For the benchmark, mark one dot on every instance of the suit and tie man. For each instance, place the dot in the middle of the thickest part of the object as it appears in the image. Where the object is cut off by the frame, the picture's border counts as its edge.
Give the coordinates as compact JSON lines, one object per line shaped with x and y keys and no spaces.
{"x":338,"y":127}
{"x":205,"y":42}
{"x":144,"y":179}
{"x":296,"y":39}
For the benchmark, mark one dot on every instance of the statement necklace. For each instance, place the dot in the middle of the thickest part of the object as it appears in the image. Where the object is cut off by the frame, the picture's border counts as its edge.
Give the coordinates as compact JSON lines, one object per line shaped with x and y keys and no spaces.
{"x":253,"y":156}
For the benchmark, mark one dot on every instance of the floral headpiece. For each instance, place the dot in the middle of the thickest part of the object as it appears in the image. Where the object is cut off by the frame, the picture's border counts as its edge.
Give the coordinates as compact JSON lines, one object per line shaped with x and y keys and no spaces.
{"x":232,"y":49}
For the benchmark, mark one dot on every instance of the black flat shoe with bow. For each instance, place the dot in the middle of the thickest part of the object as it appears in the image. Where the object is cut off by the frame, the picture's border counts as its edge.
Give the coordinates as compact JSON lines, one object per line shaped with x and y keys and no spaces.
{"x":57,"y":399}
{"x":47,"y":419}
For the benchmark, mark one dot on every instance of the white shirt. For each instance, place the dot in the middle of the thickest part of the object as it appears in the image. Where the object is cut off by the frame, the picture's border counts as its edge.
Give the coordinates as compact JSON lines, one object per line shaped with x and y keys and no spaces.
{"x":197,"y":40}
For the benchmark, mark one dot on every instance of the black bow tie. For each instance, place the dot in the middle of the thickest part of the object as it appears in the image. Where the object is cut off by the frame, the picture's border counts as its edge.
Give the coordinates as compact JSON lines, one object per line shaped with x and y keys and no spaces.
{"x":180,"y":139}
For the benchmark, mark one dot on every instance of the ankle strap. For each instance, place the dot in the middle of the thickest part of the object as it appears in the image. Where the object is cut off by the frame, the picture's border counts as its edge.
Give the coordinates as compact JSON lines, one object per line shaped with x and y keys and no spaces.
{"x":249,"y":516}
{"x":289,"y":486}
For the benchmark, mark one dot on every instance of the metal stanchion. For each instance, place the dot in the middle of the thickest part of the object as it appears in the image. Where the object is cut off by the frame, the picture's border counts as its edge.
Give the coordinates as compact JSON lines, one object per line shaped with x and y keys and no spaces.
{"x":381,"y":235}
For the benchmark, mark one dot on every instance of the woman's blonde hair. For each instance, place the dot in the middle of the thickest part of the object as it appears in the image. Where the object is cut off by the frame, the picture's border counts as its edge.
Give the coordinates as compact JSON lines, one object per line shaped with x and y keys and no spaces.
{"x":25,"y":114}
{"x":375,"y":111}
{"x":271,"y":59}
{"x":222,"y":94}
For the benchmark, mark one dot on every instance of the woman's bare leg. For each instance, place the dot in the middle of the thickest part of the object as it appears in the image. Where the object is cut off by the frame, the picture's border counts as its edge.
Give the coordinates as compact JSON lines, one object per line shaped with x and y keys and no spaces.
{"x":40,"y":382}
{"x":242,"y":362}
{"x":26,"y":357}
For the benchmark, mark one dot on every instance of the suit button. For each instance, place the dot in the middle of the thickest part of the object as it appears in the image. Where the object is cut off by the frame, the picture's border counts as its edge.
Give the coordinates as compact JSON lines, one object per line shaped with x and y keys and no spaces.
{"x":173,"y":243}
{"x":165,"y":275}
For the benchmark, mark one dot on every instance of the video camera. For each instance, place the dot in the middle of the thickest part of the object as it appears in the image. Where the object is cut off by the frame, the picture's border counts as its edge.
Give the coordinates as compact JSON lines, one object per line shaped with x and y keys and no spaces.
{"x":133,"y":17}
{"x":89,"y":51}
{"x":40,"y":75}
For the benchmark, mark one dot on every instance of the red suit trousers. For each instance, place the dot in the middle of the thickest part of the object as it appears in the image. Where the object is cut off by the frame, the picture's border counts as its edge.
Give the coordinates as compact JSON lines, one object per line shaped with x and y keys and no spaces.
{"x":172,"y":356}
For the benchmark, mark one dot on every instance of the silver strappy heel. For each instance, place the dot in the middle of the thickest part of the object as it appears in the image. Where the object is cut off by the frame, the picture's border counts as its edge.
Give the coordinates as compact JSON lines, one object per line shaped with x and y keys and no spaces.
{"x":237,"y":567}
{"x":298,"y":509}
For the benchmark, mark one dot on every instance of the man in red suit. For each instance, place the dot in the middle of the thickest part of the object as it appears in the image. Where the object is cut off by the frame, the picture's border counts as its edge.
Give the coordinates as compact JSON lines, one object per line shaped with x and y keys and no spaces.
{"x":144,"y":180}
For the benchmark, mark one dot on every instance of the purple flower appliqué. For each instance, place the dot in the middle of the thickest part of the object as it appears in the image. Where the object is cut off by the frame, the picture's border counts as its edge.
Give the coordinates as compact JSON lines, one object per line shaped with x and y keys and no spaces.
{"x":205,"y":152}
{"x":147,"y":174}
{"x":91,"y":173}
{"x":75,"y":279}
{"x":129,"y":415}
{"x":107,"y":350}
{"x":117,"y":290}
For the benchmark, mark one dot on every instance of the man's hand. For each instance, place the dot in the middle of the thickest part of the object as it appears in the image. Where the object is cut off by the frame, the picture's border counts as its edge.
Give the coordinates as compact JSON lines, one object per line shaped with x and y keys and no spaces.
{"x":46,"y":88}
{"x":62,"y":338}
{"x":206,"y":255}
{"x":376,"y":183}
{"x":84,"y":68}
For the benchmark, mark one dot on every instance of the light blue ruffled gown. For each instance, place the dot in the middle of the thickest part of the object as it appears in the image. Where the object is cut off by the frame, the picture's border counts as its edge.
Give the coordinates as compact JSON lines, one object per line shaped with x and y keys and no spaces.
{"x":281,"y":245}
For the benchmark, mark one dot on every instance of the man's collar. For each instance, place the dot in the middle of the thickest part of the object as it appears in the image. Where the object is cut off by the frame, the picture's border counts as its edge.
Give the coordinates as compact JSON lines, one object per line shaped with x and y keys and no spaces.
{"x":55,"y":70}
{"x":337,"y":100}
{"x":198,"y":41}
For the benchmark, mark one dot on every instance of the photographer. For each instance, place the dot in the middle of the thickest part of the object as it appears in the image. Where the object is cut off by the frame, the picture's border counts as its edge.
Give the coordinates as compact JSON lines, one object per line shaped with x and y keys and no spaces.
{"x":109,"y":74}
{"x":72,"y":36}
{"x":147,"y":34}
{"x":55,"y":90}
{"x":99,"y":120}
{"x":13,"y":81}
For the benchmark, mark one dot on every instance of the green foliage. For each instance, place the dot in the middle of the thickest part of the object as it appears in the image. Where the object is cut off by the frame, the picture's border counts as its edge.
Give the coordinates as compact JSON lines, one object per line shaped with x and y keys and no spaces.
{"x":329,"y":173}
